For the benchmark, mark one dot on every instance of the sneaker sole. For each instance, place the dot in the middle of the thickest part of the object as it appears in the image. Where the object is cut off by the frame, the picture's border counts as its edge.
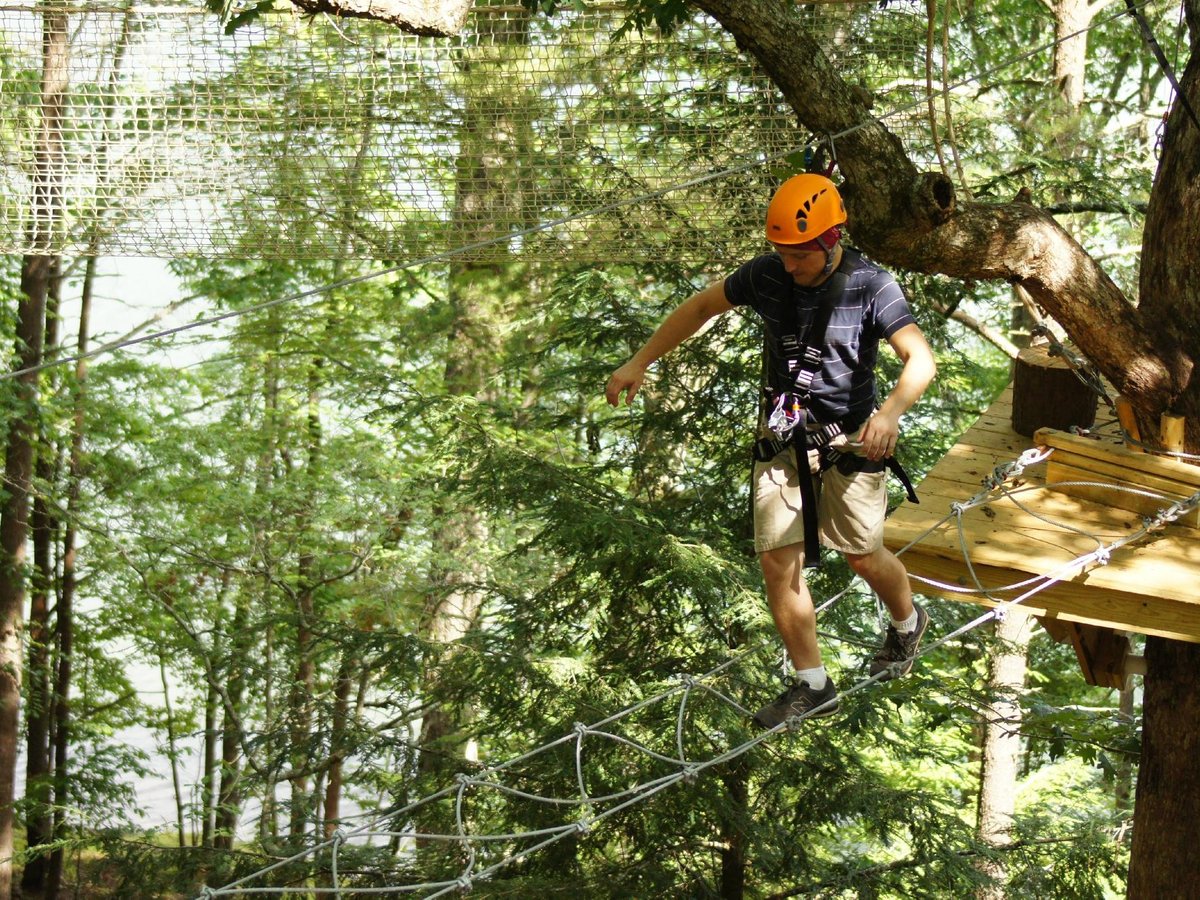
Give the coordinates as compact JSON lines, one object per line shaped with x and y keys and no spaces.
{"x":824,"y":713}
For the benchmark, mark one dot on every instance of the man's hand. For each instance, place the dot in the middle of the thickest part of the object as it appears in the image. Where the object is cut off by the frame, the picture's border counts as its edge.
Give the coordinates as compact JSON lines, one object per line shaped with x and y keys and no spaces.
{"x":879,"y":436}
{"x":629,"y":379}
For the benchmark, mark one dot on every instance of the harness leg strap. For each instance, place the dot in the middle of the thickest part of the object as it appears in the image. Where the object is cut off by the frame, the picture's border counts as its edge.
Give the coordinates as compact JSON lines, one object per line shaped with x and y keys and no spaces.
{"x":896,"y":469}
{"x":808,"y":501}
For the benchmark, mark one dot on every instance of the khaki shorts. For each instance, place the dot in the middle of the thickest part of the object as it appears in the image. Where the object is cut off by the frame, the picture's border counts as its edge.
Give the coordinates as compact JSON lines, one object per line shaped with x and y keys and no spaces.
{"x":850,"y":510}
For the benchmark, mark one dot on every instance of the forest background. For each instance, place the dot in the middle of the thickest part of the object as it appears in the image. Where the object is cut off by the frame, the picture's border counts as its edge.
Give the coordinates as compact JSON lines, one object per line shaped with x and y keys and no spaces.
{"x":390,"y":533}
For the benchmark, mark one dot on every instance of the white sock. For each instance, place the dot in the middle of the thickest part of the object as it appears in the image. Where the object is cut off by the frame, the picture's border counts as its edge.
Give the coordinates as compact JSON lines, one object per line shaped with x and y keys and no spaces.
{"x":814,"y":678}
{"x":906,"y":626}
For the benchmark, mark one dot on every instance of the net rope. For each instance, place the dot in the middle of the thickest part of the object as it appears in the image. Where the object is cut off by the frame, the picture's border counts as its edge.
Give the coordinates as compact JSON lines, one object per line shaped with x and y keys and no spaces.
{"x":487,"y":854}
{"x":309,"y":138}
{"x":490,"y":245}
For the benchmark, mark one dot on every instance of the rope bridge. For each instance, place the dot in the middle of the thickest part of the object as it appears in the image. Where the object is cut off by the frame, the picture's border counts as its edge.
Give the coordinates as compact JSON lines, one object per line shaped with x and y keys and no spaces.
{"x":483,"y":860}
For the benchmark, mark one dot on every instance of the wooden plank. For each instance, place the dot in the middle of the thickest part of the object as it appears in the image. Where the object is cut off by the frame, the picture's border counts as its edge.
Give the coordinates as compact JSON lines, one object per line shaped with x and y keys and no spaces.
{"x":1128,"y":421}
{"x":937,"y":495}
{"x":1060,"y":471}
{"x":1025,"y":552}
{"x":1114,"y":454}
{"x":1123,"y":475}
{"x":1101,"y":654}
{"x":1167,"y":567}
{"x":1070,"y":601}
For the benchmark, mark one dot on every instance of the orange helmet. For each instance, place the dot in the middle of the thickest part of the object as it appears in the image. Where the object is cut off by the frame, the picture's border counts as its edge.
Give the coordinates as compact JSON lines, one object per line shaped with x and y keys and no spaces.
{"x":804,"y":208}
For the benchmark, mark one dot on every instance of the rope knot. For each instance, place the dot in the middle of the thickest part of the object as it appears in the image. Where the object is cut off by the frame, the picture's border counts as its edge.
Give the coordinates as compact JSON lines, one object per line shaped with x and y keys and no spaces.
{"x":580,"y":728}
{"x":583,"y":826}
{"x":464,"y":883}
{"x":1102,"y":556}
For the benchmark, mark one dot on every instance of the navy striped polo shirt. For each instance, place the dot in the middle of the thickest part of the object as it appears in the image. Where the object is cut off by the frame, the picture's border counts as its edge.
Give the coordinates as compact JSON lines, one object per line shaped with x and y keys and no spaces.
{"x":872,"y":308}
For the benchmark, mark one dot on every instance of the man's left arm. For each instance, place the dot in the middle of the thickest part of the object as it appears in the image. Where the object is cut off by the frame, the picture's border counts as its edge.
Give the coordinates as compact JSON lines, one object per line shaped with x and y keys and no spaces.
{"x":882,"y":429}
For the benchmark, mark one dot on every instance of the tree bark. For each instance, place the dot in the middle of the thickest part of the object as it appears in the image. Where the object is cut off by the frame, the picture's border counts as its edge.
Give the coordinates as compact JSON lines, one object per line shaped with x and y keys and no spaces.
{"x":208,"y":778}
{"x":1165,"y":856}
{"x":1001,"y":757}
{"x":39,"y":823}
{"x":18,"y":468}
{"x":1169,"y":280}
{"x":303,"y":695}
{"x":337,"y":746}
{"x":173,"y":751}
{"x":1047,"y":394}
{"x":64,"y":629}
{"x":733,"y":832}
{"x":439,"y":18}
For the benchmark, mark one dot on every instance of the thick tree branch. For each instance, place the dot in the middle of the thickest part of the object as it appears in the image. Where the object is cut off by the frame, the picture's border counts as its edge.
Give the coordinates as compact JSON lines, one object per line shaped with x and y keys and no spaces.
{"x":442,"y":18}
{"x":913,"y":220}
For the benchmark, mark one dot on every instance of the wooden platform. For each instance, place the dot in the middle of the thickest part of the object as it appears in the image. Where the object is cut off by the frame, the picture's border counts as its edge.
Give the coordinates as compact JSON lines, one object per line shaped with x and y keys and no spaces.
{"x":1151,"y":587}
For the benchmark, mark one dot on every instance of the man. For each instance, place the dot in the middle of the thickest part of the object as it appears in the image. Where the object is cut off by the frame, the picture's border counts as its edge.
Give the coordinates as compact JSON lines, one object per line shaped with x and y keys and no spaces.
{"x":824,"y":309}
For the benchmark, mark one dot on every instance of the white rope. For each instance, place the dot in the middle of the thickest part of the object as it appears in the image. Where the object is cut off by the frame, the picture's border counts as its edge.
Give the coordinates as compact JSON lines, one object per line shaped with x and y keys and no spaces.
{"x":595,"y":809}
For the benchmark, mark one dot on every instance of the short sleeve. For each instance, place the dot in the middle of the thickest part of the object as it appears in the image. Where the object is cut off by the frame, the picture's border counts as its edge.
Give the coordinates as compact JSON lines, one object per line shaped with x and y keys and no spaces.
{"x":742,"y":287}
{"x":890,"y":309}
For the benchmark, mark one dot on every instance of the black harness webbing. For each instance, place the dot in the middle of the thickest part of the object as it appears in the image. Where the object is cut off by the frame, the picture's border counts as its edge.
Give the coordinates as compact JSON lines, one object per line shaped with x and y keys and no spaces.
{"x":803,"y":361}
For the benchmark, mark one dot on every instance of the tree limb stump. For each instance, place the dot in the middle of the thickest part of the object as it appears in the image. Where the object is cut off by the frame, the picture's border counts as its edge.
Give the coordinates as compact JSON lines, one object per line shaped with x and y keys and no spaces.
{"x":1047,"y":394}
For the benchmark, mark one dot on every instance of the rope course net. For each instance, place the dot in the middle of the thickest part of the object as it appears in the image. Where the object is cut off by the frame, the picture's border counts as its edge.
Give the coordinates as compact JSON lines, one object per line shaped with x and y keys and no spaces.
{"x":634,"y":737}
{"x":155,"y":134}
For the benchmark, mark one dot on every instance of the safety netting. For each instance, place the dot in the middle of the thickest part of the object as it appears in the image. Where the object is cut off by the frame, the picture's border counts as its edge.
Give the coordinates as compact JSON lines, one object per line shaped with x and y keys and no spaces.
{"x":146,"y":130}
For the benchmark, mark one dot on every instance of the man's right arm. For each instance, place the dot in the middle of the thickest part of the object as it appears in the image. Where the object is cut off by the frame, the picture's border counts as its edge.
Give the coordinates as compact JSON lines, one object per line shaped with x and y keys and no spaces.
{"x":681,"y":324}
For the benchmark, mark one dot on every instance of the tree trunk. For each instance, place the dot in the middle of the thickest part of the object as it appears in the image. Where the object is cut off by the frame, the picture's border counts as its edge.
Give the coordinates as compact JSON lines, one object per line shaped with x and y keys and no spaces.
{"x":1048,"y":394}
{"x":36,"y":272}
{"x":1166,"y":828}
{"x":734,"y":817}
{"x":1165,"y":860}
{"x":173,"y":752}
{"x":229,"y":792}
{"x":1123,"y":784}
{"x":304,"y":687}
{"x":64,"y":628}
{"x":39,"y":822}
{"x":208,"y":779}
{"x":337,"y":745}
{"x":212,"y":768}
{"x":1071,"y":19}
{"x":487,"y":196}
{"x":1000,"y":763}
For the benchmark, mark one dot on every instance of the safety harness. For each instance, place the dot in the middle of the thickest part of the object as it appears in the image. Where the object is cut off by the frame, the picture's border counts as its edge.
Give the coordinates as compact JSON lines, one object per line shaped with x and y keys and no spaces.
{"x":787,"y":417}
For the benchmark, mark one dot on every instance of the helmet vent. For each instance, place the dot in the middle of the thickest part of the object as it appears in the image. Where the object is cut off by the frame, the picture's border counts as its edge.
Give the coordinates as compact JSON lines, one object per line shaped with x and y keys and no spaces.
{"x":803,"y":211}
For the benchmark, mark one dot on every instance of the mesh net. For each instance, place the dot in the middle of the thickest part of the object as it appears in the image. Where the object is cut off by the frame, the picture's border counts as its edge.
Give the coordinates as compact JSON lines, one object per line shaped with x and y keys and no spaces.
{"x":152,"y":133}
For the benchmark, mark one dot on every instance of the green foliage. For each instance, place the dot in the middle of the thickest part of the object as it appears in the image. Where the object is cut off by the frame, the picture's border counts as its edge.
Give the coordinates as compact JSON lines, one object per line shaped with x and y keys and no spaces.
{"x":275,"y":524}
{"x":234,"y":15}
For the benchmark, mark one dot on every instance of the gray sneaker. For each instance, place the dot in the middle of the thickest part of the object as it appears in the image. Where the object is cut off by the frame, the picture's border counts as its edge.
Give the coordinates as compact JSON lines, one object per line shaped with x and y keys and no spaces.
{"x":895,"y":657}
{"x":799,"y":700}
